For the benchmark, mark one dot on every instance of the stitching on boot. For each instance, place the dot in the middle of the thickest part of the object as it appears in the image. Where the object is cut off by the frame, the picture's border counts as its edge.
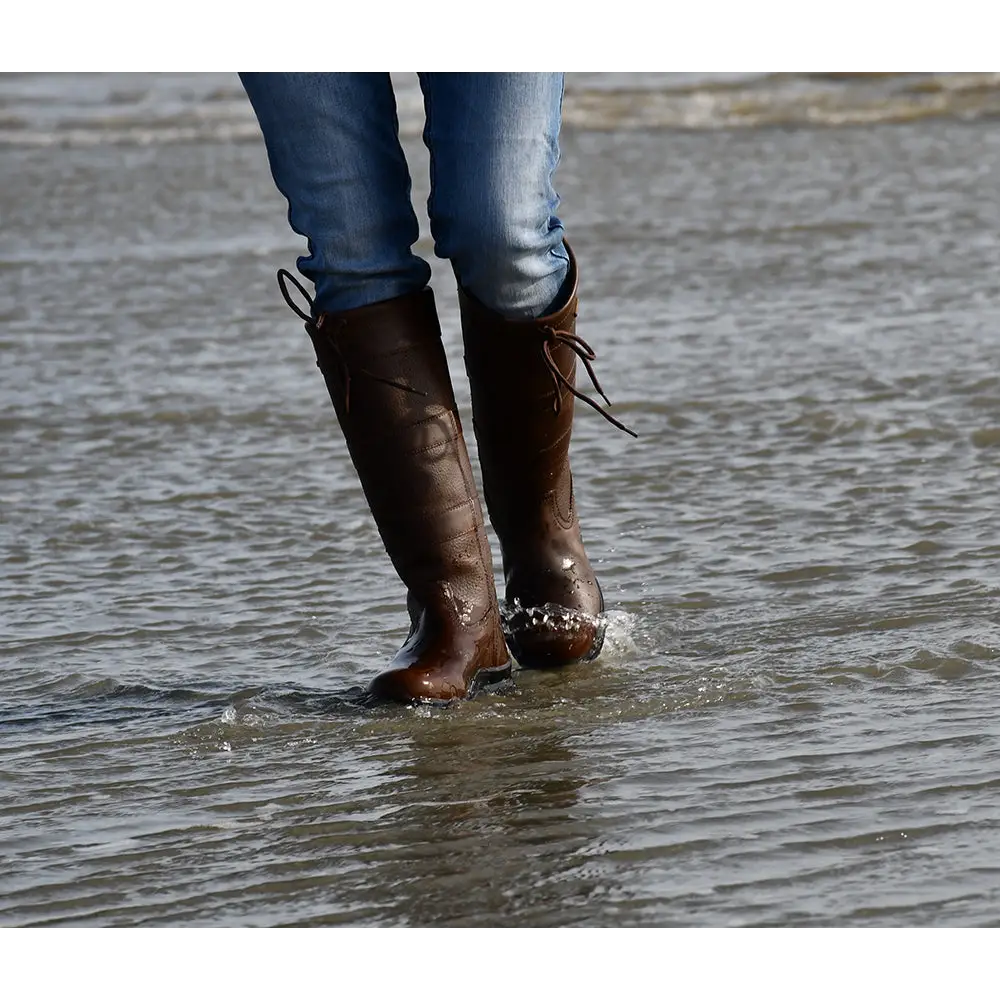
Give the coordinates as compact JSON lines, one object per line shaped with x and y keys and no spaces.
{"x":564,"y":517}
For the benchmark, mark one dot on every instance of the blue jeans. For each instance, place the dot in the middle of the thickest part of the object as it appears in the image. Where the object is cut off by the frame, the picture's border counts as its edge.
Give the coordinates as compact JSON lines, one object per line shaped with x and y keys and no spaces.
{"x":333,"y":145}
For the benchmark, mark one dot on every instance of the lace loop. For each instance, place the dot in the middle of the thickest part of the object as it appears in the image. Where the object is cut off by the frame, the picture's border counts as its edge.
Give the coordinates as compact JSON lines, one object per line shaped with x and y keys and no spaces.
{"x":324,"y":334}
{"x":283,"y":278}
{"x":583,"y":350}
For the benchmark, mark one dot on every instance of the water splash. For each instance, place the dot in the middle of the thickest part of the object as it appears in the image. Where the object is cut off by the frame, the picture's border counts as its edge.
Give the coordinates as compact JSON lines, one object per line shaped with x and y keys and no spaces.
{"x":619,"y":636}
{"x":464,"y":610}
{"x":553,"y":616}
{"x":619,"y":626}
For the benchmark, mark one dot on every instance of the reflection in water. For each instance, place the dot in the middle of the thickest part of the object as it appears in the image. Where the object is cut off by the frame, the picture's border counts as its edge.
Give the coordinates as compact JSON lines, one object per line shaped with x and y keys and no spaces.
{"x":490,"y":811}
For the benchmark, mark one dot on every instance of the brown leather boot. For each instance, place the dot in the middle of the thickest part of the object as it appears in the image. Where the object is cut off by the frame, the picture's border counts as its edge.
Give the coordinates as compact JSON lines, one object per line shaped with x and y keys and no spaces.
{"x":387,"y":375}
{"x":522,"y":375}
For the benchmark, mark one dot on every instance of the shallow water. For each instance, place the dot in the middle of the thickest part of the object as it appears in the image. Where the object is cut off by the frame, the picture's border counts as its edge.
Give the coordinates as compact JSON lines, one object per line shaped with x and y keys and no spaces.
{"x":795,"y":718}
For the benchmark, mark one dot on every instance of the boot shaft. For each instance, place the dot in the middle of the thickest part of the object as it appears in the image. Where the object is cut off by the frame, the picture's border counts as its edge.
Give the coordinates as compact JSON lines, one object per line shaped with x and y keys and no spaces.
{"x":387,"y":376}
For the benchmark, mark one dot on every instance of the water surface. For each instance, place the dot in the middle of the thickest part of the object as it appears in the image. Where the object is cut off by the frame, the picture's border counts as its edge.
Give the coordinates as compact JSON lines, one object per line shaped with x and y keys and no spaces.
{"x":791,"y":284}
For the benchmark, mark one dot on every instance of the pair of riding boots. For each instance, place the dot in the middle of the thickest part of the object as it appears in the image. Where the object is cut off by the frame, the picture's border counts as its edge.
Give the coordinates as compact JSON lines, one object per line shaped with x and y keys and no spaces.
{"x":387,"y":375}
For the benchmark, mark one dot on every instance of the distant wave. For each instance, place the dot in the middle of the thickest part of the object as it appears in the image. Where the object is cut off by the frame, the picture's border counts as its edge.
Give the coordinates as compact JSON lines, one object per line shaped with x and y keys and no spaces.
{"x":120,"y":111}
{"x":788,"y":100}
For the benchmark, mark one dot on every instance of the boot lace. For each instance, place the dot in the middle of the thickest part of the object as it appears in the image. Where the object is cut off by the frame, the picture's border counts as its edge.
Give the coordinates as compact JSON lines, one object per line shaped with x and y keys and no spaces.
{"x":324,"y":334}
{"x":583,"y":350}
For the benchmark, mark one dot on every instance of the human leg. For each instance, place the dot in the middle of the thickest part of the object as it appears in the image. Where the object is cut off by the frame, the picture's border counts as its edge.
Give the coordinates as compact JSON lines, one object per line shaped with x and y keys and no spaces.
{"x":494,"y":147}
{"x":333,"y":146}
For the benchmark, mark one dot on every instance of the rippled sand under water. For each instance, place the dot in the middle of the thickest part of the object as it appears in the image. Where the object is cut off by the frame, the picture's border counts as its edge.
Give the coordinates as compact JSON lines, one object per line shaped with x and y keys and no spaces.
{"x":795,"y":718}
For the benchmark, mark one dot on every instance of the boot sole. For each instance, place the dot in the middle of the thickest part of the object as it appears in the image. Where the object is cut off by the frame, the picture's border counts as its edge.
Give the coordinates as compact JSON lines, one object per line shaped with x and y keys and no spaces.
{"x":489,"y":680}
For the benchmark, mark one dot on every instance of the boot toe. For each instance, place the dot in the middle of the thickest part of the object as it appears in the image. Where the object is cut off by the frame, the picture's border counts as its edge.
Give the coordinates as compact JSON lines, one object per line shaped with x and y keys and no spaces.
{"x":553,"y":636}
{"x":414,"y":684}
